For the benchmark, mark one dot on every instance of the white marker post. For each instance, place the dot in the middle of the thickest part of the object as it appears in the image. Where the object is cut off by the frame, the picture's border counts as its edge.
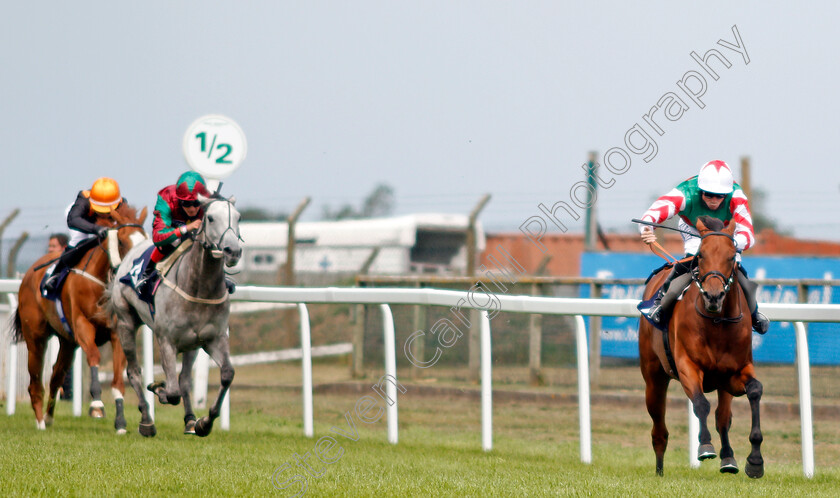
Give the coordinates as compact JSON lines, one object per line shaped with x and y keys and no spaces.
{"x":214,"y":146}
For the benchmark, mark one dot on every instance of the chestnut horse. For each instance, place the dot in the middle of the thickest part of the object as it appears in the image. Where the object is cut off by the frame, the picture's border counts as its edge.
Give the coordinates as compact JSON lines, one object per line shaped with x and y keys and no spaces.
{"x":709,"y":348}
{"x":36,"y":318}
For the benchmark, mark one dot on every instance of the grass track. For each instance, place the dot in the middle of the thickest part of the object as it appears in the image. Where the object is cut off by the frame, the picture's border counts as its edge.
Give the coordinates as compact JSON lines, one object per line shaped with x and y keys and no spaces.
{"x":535,"y":453}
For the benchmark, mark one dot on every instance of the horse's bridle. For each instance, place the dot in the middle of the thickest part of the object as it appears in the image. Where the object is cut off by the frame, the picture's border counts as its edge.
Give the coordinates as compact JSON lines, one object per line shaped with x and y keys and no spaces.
{"x":727,"y":281}
{"x":215,"y":248}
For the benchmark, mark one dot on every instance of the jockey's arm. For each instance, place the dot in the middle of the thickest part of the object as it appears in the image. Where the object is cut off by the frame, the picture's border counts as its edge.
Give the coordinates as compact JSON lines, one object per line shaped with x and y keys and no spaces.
{"x":740,"y":209}
{"x":76,"y":216}
{"x":163,"y":231}
{"x":662,"y":209}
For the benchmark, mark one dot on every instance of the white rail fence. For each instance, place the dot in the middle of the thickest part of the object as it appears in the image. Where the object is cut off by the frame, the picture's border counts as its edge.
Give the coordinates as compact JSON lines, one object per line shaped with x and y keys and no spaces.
{"x":577,"y":307}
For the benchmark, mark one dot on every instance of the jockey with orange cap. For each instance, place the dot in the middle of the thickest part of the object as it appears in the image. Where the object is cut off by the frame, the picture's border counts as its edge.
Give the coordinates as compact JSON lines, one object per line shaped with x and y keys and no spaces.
{"x":178,"y":212}
{"x":98,"y":202}
{"x":713,"y":192}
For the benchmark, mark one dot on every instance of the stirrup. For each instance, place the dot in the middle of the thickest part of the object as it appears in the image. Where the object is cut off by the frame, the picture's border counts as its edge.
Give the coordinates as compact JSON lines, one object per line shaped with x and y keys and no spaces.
{"x":145,"y":283}
{"x":655,"y":313}
{"x":51,"y":284}
{"x":760,"y":323}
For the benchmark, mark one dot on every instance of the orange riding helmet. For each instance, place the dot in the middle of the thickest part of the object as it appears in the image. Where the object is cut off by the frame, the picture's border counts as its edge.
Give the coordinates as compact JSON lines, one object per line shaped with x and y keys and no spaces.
{"x":104,"y":195}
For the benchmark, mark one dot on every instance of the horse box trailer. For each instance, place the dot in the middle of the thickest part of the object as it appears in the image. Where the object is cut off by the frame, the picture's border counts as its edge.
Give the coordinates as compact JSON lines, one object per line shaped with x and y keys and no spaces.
{"x":330,"y":251}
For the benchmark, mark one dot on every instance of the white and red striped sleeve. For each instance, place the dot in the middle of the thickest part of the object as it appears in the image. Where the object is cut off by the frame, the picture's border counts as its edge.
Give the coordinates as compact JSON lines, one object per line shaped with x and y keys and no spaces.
{"x":739,"y":206}
{"x":664,"y":208}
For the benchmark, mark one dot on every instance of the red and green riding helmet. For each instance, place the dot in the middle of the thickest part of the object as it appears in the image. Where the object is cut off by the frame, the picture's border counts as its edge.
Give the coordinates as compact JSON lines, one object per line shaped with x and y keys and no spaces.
{"x":190,"y":185}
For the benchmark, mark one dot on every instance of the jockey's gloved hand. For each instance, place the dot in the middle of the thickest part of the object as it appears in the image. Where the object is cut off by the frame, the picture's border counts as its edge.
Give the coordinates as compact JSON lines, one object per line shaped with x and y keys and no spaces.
{"x":102,"y":233}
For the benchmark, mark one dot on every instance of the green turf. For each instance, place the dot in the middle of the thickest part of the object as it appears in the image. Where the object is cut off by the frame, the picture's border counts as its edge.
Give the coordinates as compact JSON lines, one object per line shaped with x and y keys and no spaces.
{"x":535,"y":453}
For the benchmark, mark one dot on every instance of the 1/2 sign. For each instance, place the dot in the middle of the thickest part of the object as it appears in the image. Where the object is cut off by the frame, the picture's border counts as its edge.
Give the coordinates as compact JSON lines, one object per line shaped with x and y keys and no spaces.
{"x":214,"y":146}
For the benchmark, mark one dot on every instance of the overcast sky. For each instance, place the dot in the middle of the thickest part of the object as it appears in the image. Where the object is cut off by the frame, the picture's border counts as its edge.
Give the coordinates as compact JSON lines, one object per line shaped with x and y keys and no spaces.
{"x":442,"y":100}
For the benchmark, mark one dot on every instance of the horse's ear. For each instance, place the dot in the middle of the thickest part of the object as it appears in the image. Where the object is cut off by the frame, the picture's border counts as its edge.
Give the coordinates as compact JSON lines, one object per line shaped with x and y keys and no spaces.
{"x":117,"y":217}
{"x":143,"y":213}
{"x":730,"y":229}
{"x":203,"y":199}
{"x":701,"y":227}
{"x":232,"y":200}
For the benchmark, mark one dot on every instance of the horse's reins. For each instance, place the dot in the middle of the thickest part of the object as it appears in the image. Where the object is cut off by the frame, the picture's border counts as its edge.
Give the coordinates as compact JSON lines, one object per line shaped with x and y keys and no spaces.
{"x":656,"y":247}
{"x":113,"y":266}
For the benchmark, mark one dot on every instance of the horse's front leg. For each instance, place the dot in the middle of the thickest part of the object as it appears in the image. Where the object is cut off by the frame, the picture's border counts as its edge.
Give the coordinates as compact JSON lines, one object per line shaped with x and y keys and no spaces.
{"x":167,"y":392}
{"x":739,"y":385}
{"x":62,"y":362}
{"x":691,"y":378}
{"x":755,"y":462}
{"x":219,"y":350}
{"x":723,"y":419}
{"x":185,"y":383}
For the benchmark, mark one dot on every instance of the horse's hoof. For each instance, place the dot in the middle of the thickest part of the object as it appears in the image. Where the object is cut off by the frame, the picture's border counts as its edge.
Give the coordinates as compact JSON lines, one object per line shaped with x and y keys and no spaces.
{"x":203,"y":426}
{"x":40,"y":425}
{"x":121,"y":432}
{"x":48,"y":421}
{"x":728,"y":465}
{"x":147,"y":430}
{"x":706,"y":452}
{"x":154,"y":386}
{"x":97,"y":409}
{"x":189,"y":427}
{"x":754,"y":471}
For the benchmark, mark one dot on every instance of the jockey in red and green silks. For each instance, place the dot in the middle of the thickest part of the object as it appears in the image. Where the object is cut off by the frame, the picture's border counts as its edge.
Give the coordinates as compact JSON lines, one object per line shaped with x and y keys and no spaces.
{"x":178,"y":211}
{"x":713,"y":192}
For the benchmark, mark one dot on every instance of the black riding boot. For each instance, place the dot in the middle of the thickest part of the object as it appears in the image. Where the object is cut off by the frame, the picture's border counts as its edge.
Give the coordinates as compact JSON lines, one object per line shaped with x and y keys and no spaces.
{"x":760,"y":323}
{"x":144,"y":284}
{"x":51,"y":285}
{"x":673,"y":286}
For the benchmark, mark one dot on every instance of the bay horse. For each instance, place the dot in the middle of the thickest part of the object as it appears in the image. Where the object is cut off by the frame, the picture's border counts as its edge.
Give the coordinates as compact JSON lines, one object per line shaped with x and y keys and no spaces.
{"x":36,"y":318}
{"x":191,"y":310}
{"x":709,"y":348}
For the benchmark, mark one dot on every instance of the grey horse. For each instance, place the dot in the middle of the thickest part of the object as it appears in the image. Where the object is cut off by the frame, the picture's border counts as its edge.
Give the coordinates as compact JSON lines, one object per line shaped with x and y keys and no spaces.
{"x":191,"y":312}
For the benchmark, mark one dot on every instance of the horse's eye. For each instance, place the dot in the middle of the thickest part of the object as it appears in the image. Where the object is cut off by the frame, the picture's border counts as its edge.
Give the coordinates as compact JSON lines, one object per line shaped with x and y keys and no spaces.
{"x":210,"y":219}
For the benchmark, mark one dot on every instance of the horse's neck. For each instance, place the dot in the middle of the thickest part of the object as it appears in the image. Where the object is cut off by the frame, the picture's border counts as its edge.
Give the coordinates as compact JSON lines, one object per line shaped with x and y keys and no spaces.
{"x":199,"y":273}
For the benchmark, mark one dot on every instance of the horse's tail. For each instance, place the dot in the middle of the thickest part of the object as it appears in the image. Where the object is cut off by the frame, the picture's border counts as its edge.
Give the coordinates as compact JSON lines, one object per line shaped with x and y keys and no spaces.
{"x":15,"y":327}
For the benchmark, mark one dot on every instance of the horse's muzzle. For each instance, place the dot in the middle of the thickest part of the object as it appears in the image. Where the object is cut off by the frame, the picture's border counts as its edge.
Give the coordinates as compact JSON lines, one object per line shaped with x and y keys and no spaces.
{"x":232,"y":256}
{"x":714,"y":302}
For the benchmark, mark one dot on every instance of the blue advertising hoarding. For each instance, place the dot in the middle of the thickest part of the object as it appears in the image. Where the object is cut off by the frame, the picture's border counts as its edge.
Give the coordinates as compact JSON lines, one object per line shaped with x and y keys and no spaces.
{"x":619,"y":335}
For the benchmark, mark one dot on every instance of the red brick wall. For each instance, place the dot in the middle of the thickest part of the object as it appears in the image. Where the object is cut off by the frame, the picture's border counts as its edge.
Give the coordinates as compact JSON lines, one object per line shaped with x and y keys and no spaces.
{"x":565,"y":249}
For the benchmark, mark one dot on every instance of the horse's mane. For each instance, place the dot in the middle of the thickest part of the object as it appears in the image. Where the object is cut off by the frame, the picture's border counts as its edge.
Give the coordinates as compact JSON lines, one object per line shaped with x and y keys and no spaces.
{"x":712,"y":224}
{"x":127,"y":211}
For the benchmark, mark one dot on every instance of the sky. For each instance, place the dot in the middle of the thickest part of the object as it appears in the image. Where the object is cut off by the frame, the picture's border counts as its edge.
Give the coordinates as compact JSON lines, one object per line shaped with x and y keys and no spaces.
{"x":444,"y":101}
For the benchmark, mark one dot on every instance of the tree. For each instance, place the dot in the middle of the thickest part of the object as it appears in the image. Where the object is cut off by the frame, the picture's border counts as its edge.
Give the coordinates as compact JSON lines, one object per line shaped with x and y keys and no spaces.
{"x":757,"y":209}
{"x":380,"y":202}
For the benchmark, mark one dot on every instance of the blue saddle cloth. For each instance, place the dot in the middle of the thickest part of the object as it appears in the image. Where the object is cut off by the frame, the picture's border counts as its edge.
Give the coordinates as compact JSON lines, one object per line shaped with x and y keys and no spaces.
{"x":645,"y":305}
{"x":138,"y":266}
